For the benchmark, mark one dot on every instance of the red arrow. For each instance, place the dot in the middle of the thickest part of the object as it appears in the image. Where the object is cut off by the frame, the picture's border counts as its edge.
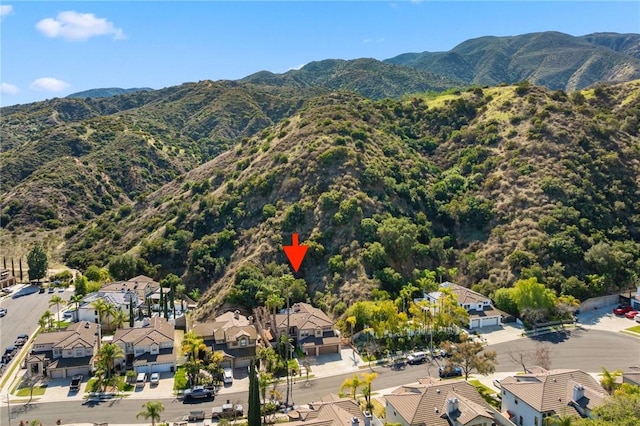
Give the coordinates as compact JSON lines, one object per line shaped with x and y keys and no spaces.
{"x":295,"y":253}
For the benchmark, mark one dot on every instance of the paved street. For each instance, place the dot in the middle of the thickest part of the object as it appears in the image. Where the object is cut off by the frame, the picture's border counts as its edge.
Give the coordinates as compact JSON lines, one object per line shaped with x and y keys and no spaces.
{"x":23,"y":315}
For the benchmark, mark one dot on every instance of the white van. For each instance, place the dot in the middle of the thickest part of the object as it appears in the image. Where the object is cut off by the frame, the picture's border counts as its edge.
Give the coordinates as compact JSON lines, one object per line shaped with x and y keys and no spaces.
{"x":141,"y":379}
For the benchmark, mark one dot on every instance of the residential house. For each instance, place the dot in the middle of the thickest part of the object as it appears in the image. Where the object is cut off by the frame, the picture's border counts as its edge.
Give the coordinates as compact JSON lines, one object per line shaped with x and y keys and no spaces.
{"x":120,"y":299}
{"x":330,"y":410}
{"x":61,"y":354}
{"x":311,"y":329}
{"x":142,"y":285}
{"x":233,"y":334}
{"x":440,"y":403}
{"x":147,"y":349}
{"x":481,"y":311}
{"x":531,"y":398}
{"x":6,"y":279}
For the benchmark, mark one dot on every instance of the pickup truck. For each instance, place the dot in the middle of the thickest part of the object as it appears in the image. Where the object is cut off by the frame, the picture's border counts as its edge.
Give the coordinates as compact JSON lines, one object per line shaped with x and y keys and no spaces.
{"x":75,"y":382}
{"x":195,"y":416}
{"x":198,"y":392}
{"x":227,"y":410}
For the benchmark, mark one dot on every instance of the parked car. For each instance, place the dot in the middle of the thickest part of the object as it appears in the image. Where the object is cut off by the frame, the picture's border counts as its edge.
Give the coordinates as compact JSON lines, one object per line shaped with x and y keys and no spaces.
{"x":448,"y":371}
{"x":41,"y":290}
{"x":154,"y":379}
{"x":622,"y":309}
{"x":417,"y":358}
{"x":637,"y":318}
{"x":75,"y":382}
{"x":20,"y":341}
{"x":227,"y":375}
{"x":631,"y":314}
{"x":198,"y":392}
{"x":51,"y":290}
{"x":3,"y":312}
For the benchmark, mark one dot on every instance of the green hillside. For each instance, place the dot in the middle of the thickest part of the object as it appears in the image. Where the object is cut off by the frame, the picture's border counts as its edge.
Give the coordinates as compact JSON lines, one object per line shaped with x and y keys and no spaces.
{"x":492,"y":185}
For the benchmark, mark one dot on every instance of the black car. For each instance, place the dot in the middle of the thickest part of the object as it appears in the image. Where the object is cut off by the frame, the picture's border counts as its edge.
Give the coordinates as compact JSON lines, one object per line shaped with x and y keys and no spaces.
{"x":41,"y":290}
{"x":449,"y":371}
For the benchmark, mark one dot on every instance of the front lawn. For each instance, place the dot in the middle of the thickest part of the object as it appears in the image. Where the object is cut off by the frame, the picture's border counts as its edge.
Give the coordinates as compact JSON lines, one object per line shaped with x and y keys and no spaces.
{"x":180,"y":381}
{"x":123,"y":386}
{"x":486,"y":392}
{"x":37,"y":391}
{"x":634,"y":329}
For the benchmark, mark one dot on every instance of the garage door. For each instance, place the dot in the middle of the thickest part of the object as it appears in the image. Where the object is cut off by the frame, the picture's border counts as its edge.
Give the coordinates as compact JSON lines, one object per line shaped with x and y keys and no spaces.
{"x":58,"y":373}
{"x":475,"y":323}
{"x":242,"y":362}
{"x":77,"y":370}
{"x":489,"y":321}
{"x":161,"y":368}
{"x":144,"y":368}
{"x":328,"y":350}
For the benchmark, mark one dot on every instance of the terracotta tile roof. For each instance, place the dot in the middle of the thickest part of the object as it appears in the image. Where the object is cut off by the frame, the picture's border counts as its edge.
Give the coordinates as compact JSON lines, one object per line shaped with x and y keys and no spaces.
{"x":159,"y":330}
{"x":427,"y":403}
{"x":330,"y":410}
{"x":218,"y":328}
{"x":553,"y":390}
{"x":304,"y":316}
{"x":80,"y":334}
{"x":463,"y":294}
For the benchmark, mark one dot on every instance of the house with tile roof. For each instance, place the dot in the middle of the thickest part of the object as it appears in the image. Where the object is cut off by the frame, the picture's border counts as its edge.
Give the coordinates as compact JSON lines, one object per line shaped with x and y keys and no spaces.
{"x":481,"y":311}
{"x":440,"y":403}
{"x":330,"y":410}
{"x":149,"y":348}
{"x":233,"y":334}
{"x":61,"y":354}
{"x":142,"y":285}
{"x":312,"y":330}
{"x":530,"y":398}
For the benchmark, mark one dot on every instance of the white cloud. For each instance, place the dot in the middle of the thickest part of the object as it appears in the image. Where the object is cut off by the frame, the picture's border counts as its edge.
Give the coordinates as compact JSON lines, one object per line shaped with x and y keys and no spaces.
{"x":71,"y":25}
{"x":8,"y":89}
{"x":6,"y":9}
{"x":49,"y":84}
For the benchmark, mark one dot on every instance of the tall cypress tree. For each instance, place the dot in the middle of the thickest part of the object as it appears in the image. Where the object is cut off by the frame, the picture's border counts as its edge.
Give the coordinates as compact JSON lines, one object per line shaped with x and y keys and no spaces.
{"x":253,"y":416}
{"x":13,"y":268}
{"x":132,"y":297}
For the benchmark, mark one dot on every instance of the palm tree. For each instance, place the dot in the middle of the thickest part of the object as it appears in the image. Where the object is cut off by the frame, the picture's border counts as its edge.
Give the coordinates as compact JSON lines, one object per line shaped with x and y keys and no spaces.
{"x":75,"y":301}
{"x":120,"y":318}
{"x":107,"y":355}
{"x":47,"y":317}
{"x":366,"y":389}
{"x":192,"y":344}
{"x":101,"y":307}
{"x":151,"y":410}
{"x":608,"y":380}
{"x":558,"y":421}
{"x":352,"y":384}
{"x":111,"y":312}
{"x":56,"y":300}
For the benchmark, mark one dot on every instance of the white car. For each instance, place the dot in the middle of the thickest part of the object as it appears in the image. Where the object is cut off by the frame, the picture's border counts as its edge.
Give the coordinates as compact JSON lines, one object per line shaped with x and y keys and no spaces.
{"x":154,"y":379}
{"x":227,"y":375}
{"x":637,"y":318}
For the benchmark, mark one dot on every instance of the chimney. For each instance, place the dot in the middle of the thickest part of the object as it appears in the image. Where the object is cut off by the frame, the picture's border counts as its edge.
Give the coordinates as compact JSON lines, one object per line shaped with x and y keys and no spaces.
{"x":367,"y":418}
{"x":578,"y":392}
{"x":236,"y":314}
{"x":452,"y":405}
{"x":355,"y":421}
{"x":145,"y":322}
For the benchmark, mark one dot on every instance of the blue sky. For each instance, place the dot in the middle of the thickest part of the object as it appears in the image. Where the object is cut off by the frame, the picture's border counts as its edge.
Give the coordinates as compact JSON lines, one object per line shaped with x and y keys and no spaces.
{"x":50,"y":48}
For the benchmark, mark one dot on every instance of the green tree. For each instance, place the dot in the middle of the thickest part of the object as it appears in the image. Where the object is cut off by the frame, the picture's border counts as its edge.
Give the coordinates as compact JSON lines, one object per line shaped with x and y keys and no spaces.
{"x":620,"y":410}
{"x":398,"y":236}
{"x":530,"y":294}
{"x":75,"y":302}
{"x":80,"y":285}
{"x":99,"y":275}
{"x":101,"y":306}
{"x":172,"y":282}
{"x":471,"y":357}
{"x":107,"y":355}
{"x":120,"y":317}
{"x":254,"y":397}
{"x":151,"y":410}
{"x":352,"y":384}
{"x":38,"y":262}
{"x":123,"y":267}
{"x":56,"y":300}
{"x":609,"y":379}
{"x":504,"y":300}
{"x":368,"y":379}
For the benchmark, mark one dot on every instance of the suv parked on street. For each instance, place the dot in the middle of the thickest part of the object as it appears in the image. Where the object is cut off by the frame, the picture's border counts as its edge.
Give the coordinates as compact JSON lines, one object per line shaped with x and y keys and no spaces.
{"x":417,"y":358}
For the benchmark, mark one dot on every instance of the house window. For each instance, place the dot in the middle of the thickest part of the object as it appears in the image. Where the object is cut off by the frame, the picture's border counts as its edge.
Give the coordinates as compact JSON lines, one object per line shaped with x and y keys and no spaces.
{"x":520,"y":420}
{"x":535,"y":421}
{"x":516,"y":400}
{"x":95,"y":312}
{"x":243,"y":342}
{"x":79,"y":352}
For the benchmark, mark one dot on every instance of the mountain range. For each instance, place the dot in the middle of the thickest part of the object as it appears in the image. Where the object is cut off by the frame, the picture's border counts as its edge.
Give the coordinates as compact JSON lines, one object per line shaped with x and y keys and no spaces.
{"x":384,"y":170}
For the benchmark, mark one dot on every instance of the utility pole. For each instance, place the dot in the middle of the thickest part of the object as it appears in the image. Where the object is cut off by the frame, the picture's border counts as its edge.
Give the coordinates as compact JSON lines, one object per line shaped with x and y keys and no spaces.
{"x":8,"y":409}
